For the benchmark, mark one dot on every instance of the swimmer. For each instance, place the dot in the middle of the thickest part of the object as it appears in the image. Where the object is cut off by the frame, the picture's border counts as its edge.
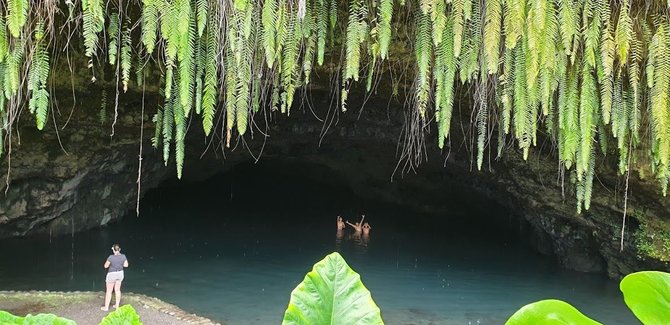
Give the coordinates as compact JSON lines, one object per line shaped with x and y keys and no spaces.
{"x":366,"y":229}
{"x":358,"y":227}
{"x":340,"y":223}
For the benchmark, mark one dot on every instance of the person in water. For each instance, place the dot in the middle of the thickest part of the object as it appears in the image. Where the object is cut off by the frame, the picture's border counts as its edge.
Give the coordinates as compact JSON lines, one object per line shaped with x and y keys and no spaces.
{"x":358,"y":227}
{"x":340,"y":224}
{"x":366,"y":229}
{"x":114,"y":265}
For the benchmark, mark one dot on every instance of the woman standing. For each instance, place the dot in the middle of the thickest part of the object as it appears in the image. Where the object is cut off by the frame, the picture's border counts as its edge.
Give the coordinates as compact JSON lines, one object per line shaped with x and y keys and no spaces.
{"x":114,"y":265}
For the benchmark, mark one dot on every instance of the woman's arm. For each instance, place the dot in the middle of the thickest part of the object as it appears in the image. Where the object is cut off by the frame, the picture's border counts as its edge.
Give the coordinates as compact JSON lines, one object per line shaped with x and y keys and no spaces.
{"x":125,"y":263}
{"x":107,"y":263}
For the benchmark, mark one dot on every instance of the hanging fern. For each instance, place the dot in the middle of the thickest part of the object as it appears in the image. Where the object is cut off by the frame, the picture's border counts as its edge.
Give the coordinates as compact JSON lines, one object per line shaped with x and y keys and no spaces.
{"x":269,"y":19}
{"x":150,"y":23}
{"x":37,"y":81}
{"x":17,"y":15}
{"x":423,"y":49}
{"x":4,"y":44}
{"x":357,"y":31}
{"x":384,"y":16}
{"x":126,"y":59}
{"x":492,"y":29}
{"x":113,"y":34}
{"x":659,"y":50}
{"x":93,"y":23}
{"x":202,"y":7}
{"x":211,"y":81}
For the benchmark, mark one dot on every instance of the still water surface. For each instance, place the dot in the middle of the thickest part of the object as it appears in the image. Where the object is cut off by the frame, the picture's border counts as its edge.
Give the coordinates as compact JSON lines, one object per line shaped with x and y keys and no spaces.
{"x":237,"y":263}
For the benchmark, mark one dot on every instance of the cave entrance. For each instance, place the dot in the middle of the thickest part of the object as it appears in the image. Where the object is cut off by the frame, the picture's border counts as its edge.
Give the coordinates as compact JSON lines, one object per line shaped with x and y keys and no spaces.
{"x":232,"y":246}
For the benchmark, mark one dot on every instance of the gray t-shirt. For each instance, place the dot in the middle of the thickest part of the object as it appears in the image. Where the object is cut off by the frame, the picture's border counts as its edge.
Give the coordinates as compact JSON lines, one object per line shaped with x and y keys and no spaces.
{"x":116,"y":262}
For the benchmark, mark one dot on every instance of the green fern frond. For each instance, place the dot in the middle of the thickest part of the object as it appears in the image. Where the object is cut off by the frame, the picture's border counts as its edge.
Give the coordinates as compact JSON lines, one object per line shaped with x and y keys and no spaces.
{"x":660,"y":101}
{"x":507,"y":84}
{"x":624,"y":33}
{"x":4,"y":44}
{"x":17,"y":16}
{"x":438,"y":16}
{"x":187,"y":68}
{"x":269,"y":19}
{"x":13,"y":70}
{"x":588,"y":110}
{"x":384,"y":16}
{"x":423,"y":49}
{"x":179,"y":136}
{"x":113,"y":34}
{"x":492,"y":29}
{"x":482,"y":120}
{"x":514,"y":21}
{"x":569,"y":24}
{"x":37,"y":80}
{"x":168,"y":127}
{"x":158,"y":128}
{"x":211,"y":84}
{"x":357,"y":31}
{"x":93,"y":23}
{"x":202,"y":8}
{"x":126,"y":59}
{"x":457,"y":7}
{"x":149,"y":24}
{"x":321,"y":16}
{"x":568,"y":118}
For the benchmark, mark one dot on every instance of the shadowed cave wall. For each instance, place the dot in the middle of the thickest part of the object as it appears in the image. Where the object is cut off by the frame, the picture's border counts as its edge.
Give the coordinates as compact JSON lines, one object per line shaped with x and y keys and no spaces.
{"x":75,"y":176}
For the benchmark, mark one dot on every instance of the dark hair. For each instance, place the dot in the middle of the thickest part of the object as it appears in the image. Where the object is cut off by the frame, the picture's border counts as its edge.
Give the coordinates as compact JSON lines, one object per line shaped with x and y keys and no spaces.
{"x":116,"y":248}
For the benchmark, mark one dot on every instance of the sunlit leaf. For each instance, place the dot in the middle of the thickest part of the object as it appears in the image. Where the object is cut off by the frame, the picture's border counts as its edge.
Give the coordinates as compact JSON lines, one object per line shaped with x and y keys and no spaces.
{"x":647,"y":294}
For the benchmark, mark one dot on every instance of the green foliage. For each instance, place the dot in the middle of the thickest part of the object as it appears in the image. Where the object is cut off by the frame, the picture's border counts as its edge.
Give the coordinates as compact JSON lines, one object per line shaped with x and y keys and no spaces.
{"x":126,"y":59}
{"x":113,"y":34}
{"x":39,"y":319}
{"x":549,"y":312}
{"x":384,"y":16}
{"x":332,"y":293}
{"x":124,"y":315}
{"x":149,"y":24}
{"x":580,"y":62}
{"x":423,"y":49}
{"x":4,"y":44}
{"x":647,"y":294}
{"x":492,"y":35}
{"x":17,"y":15}
{"x":357,"y":32}
{"x":211,"y":82}
{"x":37,"y":80}
{"x":93,"y":23}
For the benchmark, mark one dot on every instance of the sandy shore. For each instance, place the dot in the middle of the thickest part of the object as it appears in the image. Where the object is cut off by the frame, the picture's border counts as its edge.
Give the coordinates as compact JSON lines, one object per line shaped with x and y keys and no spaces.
{"x":84,"y":307}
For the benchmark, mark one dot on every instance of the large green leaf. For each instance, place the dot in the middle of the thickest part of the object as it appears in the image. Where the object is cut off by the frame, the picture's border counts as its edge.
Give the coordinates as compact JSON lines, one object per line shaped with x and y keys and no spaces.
{"x":332,"y":293}
{"x":7,"y":318}
{"x":125,"y":315}
{"x":47,"y":319}
{"x":647,"y":294}
{"x":549,"y":312}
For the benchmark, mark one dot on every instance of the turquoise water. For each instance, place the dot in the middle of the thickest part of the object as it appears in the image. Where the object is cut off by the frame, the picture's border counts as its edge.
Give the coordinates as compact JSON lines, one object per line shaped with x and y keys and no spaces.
{"x":236,"y":257}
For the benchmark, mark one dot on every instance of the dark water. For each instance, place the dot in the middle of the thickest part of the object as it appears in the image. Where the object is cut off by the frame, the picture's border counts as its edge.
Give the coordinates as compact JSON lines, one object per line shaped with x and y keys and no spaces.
{"x":234,"y":247}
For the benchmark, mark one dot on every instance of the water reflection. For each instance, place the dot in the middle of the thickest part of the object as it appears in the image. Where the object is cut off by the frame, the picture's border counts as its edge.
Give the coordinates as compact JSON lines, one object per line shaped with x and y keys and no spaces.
{"x":358,"y":241}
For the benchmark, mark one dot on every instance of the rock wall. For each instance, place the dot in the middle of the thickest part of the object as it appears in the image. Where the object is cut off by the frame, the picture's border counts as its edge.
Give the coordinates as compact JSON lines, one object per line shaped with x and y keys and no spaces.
{"x":77,"y":177}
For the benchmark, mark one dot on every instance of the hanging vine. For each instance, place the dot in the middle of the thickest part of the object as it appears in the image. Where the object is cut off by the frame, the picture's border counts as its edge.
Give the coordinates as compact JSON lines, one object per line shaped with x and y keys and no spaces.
{"x":578,"y":72}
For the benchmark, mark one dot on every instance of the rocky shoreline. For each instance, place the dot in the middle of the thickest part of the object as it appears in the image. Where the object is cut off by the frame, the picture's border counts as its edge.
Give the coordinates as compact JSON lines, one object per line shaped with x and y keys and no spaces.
{"x":84,"y":307}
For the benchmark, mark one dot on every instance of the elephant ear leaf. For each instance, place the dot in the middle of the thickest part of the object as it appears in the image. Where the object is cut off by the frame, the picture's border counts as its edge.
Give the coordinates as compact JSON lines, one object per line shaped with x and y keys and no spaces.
{"x":7,"y":318}
{"x":125,"y":315}
{"x":549,"y":312}
{"x":43,"y":319}
{"x":647,"y":294}
{"x":332,"y":294}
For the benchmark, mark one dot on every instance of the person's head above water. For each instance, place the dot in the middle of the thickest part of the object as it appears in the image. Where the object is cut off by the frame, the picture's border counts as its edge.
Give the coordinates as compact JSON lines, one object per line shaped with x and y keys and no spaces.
{"x":116,"y":248}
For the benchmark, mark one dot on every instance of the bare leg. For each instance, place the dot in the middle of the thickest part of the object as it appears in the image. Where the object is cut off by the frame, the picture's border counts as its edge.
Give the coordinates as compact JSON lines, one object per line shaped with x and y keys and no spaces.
{"x":117,"y":291}
{"x":108,"y":295}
